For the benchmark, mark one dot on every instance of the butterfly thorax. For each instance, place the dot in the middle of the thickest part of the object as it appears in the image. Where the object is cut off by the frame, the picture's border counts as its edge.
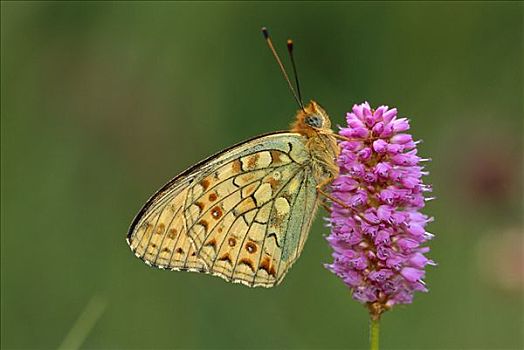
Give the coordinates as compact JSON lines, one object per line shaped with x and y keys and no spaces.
{"x":314,"y":124}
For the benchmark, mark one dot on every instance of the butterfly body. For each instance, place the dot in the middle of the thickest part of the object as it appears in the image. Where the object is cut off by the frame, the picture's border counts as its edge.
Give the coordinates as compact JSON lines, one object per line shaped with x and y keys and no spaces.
{"x":314,"y":123}
{"x":244,"y":213}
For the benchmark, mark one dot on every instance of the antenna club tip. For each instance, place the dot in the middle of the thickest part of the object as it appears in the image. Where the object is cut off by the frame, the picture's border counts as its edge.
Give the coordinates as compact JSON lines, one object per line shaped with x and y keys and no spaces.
{"x":265,"y":32}
{"x":290,"y":44}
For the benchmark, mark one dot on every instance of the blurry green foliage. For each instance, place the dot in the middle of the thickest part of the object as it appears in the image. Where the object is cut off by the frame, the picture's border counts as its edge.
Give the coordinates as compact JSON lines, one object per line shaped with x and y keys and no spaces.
{"x":102,"y":103}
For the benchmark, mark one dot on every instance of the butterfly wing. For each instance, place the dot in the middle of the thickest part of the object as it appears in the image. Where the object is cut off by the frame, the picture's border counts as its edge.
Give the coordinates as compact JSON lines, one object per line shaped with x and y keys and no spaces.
{"x":242,"y":214}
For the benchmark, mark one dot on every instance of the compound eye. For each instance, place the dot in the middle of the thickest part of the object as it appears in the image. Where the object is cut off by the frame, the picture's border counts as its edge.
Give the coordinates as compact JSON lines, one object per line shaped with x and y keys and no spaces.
{"x":314,"y":121}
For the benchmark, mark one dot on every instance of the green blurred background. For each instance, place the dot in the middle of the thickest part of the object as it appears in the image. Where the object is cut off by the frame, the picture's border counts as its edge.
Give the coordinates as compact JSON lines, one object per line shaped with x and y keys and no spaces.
{"x":102,"y":103}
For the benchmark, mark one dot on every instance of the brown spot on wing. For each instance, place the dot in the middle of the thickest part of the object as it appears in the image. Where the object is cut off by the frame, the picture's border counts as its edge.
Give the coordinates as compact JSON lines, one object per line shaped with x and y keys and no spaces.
{"x":266,"y":266}
{"x":250,"y":189}
{"x":212,"y":197}
{"x":180,"y":250}
{"x":160,"y":228}
{"x":274,"y":183}
{"x":275,"y":157}
{"x":200,"y":205}
{"x":248,"y":262}
{"x":232,"y":241}
{"x":172,"y":233}
{"x":272,"y":271}
{"x":252,"y":161}
{"x":236,"y":166}
{"x":226,"y":257}
{"x":212,"y":243}
{"x":205,"y":184}
{"x":251,"y":247}
{"x":216,"y":213}
{"x":204,"y":224}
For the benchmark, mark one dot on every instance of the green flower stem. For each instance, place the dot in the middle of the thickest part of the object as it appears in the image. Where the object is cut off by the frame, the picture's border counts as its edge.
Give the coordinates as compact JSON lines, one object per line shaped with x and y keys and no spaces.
{"x":374,"y":332}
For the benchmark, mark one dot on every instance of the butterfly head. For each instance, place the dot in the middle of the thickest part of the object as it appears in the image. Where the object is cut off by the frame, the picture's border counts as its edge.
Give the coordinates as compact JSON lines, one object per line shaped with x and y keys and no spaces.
{"x":312,"y":119}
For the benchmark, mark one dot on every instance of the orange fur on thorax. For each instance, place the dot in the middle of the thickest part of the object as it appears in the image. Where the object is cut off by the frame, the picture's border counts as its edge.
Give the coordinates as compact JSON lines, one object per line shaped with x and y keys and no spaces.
{"x":320,"y":142}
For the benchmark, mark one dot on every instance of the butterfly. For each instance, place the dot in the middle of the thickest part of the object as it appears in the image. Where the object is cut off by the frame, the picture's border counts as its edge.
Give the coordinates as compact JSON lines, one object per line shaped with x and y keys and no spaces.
{"x":244,"y":213}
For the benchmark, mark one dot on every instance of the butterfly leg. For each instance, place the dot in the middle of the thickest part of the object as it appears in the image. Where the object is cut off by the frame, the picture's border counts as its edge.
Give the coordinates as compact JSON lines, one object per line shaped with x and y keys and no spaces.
{"x":344,"y":138}
{"x":325,"y":206}
{"x":341,"y":138}
{"x":320,"y":190}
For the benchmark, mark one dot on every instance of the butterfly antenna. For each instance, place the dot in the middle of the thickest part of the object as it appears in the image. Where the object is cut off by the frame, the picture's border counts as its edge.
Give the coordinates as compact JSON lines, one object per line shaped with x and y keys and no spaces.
{"x":290,"y":50}
{"x":286,"y":77}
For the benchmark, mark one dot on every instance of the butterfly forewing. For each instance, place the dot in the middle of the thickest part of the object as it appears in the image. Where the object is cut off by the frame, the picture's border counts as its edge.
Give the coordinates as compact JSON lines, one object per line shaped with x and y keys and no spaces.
{"x":242,"y":214}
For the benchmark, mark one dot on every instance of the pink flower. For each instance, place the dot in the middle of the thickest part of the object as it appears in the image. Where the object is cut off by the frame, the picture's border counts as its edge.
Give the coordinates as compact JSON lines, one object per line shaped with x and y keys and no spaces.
{"x":378,"y":235}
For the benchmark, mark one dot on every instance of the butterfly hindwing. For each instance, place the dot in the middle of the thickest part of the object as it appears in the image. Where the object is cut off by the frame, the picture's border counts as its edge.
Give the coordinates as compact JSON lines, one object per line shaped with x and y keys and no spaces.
{"x":242,"y":214}
{"x":160,"y":237}
{"x":250,"y":242}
